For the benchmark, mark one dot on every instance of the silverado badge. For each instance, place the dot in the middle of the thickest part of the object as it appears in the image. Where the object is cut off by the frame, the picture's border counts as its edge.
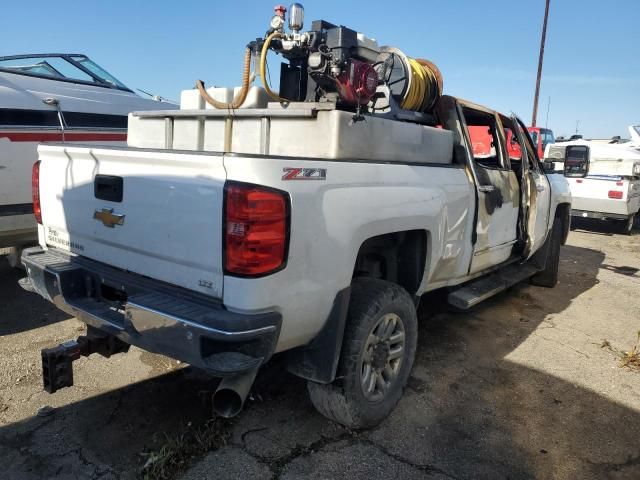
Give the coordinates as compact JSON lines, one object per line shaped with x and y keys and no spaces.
{"x":108,"y":218}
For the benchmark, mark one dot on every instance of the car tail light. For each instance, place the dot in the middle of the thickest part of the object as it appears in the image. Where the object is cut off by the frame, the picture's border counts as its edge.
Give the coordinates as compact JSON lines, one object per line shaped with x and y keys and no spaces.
{"x":615,"y":194}
{"x":35,"y":191}
{"x":256,"y":229}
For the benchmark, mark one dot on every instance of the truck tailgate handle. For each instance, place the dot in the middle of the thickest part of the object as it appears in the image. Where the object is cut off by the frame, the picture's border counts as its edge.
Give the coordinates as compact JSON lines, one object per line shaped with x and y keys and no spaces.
{"x":486,"y":188}
{"x":108,"y":187}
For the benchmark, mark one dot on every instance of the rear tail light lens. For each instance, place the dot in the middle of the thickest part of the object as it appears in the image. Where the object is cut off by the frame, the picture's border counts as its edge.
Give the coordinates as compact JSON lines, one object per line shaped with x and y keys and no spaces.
{"x":615,"y":194}
{"x":35,"y":191}
{"x":256,"y":229}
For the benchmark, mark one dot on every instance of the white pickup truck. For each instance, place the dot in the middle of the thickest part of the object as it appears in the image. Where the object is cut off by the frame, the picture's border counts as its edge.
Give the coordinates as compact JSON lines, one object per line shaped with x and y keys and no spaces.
{"x":269,"y":235}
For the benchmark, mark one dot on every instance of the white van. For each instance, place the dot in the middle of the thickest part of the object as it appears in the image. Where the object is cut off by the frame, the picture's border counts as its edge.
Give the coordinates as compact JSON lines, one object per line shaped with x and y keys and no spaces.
{"x":604,"y":178}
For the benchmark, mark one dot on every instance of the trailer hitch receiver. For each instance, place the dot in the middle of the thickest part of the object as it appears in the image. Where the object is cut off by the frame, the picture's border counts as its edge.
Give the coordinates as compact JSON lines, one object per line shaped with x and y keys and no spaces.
{"x":57,"y":362}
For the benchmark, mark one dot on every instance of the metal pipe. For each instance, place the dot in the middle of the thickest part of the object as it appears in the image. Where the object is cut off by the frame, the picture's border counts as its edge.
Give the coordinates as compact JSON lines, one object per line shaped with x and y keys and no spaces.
{"x":540,"y":59}
{"x":230,"y":395}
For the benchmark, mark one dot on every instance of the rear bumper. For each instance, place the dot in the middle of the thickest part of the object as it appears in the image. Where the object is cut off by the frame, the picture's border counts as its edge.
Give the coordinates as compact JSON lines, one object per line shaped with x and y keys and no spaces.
{"x":598,"y":215}
{"x":153,"y":315}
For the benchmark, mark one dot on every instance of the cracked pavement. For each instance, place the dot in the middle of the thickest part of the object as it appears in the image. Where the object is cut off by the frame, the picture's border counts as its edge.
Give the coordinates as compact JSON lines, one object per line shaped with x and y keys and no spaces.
{"x":523,"y":386}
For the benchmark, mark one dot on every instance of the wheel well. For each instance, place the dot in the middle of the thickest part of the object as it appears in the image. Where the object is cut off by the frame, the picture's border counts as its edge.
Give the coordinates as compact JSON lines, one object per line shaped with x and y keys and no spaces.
{"x":397,"y":257}
{"x":563,"y":213}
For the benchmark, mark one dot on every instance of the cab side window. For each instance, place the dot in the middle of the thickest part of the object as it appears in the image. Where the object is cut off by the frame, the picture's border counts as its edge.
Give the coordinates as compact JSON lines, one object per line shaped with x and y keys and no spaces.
{"x":483,"y":135}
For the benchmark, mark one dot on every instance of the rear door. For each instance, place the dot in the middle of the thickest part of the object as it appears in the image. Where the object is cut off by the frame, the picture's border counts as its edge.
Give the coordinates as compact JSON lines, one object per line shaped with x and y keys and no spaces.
{"x":497,"y":188}
{"x":536,"y":192}
{"x":158,"y":214}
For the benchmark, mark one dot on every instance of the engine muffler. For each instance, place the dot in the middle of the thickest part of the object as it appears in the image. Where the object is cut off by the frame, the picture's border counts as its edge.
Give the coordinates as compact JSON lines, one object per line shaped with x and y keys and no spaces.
{"x":230,"y":395}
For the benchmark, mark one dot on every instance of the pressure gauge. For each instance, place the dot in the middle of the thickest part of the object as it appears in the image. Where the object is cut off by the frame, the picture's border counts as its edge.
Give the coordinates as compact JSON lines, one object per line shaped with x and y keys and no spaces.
{"x":277,"y":22}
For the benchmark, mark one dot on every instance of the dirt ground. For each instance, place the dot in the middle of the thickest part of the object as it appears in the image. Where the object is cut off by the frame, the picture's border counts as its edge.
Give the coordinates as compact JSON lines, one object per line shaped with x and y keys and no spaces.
{"x":527,"y":385}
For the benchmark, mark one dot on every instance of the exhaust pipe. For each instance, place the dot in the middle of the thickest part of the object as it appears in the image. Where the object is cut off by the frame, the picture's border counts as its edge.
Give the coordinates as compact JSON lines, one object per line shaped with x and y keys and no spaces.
{"x":230,"y":395}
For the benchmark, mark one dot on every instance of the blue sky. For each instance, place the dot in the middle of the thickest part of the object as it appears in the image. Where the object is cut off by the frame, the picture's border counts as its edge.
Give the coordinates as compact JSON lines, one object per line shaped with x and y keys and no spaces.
{"x":487,"y":51}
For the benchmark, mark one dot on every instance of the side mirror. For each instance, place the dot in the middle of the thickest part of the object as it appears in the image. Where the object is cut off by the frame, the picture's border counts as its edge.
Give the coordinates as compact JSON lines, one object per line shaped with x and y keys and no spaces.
{"x":548,"y":166}
{"x":576,"y":161}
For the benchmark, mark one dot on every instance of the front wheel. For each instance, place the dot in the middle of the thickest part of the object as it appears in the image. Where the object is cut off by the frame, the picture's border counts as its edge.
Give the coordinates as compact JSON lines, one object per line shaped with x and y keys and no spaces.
{"x":377,"y":355}
{"x":626,"y":226}
{"x":548,"y":277}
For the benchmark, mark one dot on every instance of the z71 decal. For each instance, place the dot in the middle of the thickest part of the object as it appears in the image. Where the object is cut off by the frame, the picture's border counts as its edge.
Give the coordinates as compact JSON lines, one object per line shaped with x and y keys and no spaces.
{"x":304,"y":173}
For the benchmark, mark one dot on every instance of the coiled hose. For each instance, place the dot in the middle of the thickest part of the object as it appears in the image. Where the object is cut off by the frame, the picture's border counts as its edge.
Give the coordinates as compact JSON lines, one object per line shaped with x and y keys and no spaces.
{"x":239,"y":99}
{"x":425,"y":86}
{"x":263,"y":68}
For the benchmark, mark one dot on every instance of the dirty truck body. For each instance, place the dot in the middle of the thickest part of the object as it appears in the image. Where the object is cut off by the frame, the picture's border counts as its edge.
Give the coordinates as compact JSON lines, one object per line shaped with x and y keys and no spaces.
{"x":136,"y":241}
{"x":305,"y":223}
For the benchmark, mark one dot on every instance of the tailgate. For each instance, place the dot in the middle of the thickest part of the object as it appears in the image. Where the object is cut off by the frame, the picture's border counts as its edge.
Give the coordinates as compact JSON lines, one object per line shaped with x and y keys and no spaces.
{"x":167,"y":224}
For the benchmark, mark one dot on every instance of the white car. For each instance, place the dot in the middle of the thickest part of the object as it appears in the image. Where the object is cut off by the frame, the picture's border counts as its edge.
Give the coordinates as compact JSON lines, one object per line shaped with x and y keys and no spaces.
{"x":604,"y":178}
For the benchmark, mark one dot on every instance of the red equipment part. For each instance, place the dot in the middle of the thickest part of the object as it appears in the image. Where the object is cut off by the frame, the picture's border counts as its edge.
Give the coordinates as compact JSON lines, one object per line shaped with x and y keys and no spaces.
{"x":357,"y":83}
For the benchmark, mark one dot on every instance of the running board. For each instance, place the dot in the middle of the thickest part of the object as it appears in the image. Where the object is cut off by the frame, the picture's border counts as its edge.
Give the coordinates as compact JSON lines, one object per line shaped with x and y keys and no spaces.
{"x":476,"y":291}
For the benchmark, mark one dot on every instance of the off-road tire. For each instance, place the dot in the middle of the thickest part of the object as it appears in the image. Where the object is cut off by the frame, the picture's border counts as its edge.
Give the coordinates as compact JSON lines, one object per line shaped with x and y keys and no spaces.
{"x":549,"y":276}
{"x":344,"y":400}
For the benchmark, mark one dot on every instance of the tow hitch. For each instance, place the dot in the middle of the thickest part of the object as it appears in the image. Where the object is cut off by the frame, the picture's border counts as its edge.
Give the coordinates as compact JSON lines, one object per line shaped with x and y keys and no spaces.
{"x":57,"y":362}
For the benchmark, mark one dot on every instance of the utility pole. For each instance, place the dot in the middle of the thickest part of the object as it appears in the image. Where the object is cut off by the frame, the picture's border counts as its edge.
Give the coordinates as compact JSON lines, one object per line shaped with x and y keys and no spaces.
{"x":540,"y":58}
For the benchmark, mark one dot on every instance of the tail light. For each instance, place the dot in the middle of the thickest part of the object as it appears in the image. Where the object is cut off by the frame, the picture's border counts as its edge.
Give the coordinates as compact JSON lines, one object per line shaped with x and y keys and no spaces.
{"x":256,"y":229}
{"x":35,"y":191}
{"x":615,"y":194}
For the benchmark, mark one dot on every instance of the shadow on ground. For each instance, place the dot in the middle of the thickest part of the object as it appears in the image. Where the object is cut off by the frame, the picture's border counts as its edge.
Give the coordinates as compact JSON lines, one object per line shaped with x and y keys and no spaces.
{"x":602,"y":227}
{"x":467,"y":413}
{"x":20,"y":310}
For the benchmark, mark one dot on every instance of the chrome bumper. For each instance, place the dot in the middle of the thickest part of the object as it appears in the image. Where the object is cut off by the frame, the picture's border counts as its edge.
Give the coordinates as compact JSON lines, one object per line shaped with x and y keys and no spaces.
{"x":152,"y":315}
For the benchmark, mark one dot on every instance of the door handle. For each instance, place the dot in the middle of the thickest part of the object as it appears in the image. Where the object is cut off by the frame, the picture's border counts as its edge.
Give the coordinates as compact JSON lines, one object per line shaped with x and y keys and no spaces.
{"x":540,"y":188}
{"x":486,"y":188}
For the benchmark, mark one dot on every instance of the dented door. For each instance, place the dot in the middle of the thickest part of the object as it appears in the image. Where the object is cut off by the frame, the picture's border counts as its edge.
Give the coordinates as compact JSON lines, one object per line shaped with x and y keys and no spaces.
{"x":536,"y":193}
{"x":496,"y":185}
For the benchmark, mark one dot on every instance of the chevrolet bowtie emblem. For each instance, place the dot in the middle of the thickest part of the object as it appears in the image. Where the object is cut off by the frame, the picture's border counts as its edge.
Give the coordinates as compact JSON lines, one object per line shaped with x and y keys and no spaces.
{"x":108,"y":218}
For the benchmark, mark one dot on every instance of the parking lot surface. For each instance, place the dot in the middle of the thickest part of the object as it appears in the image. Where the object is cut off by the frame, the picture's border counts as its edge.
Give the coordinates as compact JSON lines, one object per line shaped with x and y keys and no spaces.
{"x":527,"y":385}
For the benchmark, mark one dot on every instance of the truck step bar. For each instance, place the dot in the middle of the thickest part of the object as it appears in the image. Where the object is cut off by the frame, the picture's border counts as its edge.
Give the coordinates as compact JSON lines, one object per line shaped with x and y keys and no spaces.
{"x":482,"y":288}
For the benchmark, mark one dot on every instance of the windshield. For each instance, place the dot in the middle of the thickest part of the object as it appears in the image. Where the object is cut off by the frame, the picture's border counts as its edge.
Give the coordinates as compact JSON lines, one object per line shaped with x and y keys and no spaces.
{"x":534,"y":137}
{"x":72,"y":68}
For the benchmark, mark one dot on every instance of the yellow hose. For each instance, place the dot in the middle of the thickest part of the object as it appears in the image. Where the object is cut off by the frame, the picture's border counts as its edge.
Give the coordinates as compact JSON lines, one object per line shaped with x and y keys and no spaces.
{"x":239,"y":99}
{"x":263,"y":68}
{"x":425,"y":86}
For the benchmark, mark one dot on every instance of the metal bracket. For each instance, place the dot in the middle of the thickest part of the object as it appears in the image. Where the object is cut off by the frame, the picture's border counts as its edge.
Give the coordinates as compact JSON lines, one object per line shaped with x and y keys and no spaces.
{"x":57,"y":362}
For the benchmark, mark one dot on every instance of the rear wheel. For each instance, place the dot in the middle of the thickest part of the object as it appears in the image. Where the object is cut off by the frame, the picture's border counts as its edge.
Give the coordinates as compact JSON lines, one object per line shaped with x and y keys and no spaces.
{"x":377,"y":355}
{"x":548,"y":277}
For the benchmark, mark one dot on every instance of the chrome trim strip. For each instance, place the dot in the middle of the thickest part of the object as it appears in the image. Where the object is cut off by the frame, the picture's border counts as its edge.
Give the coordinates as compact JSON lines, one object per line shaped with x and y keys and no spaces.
{"x":166,"y":320}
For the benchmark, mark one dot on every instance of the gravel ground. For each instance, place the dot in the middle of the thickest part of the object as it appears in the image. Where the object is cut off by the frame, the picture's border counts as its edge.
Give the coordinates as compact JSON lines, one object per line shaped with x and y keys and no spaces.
{"x":527,"y":385}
